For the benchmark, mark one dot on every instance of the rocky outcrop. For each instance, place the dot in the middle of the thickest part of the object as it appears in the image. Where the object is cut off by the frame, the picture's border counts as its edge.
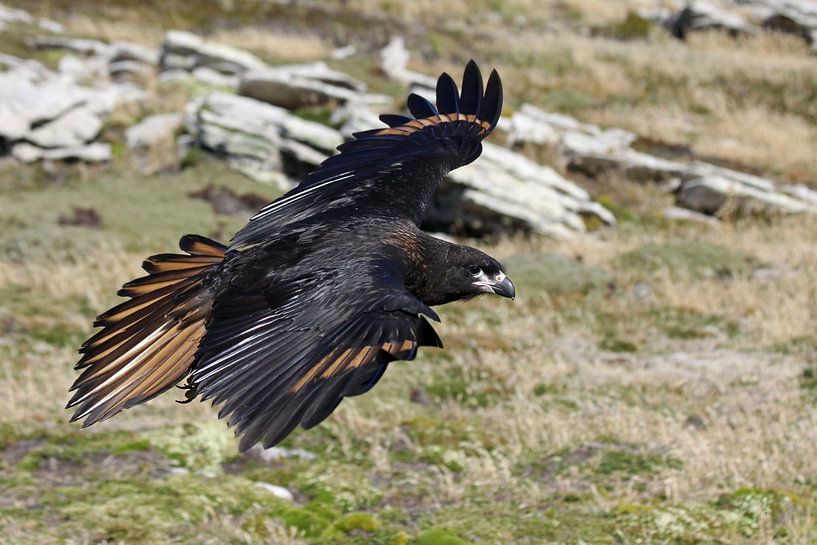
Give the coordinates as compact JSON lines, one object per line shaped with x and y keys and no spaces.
{"x":793,"y":17}
{"x":797,"y":17}
{"x":699,"y":186}
{"x":300,"y":85}
{"x":153,"y":130}
{"x":394,"y":60}
{"x":48,"y":115}
{"x":700,"y":15}
{"x":121,"y":61}
{"x":11,"y":16}
{"x":186,"y":51}
{"x":91,"y":153}
{"x":504,"y":192}
{"x":264,"y":141}
{"x":501,"y":192}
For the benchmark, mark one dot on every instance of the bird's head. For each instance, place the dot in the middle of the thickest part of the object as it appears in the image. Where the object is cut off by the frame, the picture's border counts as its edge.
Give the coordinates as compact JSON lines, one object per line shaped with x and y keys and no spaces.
{"x":472,"y":272}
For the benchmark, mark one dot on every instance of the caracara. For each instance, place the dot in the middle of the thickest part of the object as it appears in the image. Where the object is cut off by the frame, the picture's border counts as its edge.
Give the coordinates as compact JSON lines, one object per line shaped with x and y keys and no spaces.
{"x":316,"y":295}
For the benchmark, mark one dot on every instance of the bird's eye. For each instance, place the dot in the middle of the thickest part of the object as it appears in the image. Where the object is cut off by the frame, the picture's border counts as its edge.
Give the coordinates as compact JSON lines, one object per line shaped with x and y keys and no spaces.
{"x":474,"y":270}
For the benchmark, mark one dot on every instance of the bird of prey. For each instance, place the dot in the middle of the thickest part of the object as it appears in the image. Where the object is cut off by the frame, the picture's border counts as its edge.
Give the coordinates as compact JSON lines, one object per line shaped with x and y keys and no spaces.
{"x":316,"y":295}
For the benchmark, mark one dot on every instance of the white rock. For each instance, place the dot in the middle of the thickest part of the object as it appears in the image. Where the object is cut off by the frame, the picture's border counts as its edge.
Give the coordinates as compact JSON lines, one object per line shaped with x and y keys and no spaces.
{"x":355,"y":117}
{"x":214,"y":78}
{"x":50,"y":26}
{"x":701,"y":15}
{"x":394,"y":62}
{"x":73,"y":129}
{"x":277,"y":491}
{"x":255,"y":134}
{"x":320,"y":71}
{"x":11,"y":15}
{"x":131,"y":51}
{"x":682,"y":214}
{"x":303,"y":85}
{"x":130,"y":72}
{"x":716,"y":194}
{"x":24,"y":103}
{"x":83,"y":68}
{"x":503,"y":190}
{"x":185,"y":50}
{"x":275,"y":454}
{"x":343,"y":52}
{"x":77,"y":45}
{"x":153,"y":130}
{"x":92,"y":153}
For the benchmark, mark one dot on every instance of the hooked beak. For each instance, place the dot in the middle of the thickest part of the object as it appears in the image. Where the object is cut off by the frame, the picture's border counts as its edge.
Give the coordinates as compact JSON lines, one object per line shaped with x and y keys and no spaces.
{"x":502,"y":285}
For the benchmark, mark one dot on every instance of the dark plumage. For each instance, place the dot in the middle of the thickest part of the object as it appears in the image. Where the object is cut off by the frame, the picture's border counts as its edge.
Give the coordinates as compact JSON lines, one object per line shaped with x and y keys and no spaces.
{"x":320,"y":291}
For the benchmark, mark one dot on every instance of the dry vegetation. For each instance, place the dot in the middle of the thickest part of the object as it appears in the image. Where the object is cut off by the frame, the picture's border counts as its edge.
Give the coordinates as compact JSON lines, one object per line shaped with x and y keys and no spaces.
{"x":656,"y":384}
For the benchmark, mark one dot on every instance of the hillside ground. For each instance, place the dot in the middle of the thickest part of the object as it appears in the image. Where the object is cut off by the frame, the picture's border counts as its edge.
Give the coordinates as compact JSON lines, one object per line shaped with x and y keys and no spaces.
{"x":652,"y":384}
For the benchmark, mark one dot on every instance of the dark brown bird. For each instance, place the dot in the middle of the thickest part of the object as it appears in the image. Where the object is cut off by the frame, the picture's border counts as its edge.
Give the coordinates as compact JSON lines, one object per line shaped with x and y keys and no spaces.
{"x":316,"y":295}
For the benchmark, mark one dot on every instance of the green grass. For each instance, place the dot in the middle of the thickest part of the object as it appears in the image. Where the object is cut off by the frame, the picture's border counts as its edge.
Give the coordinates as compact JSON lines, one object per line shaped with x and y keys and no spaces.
{"x":688,"y":258}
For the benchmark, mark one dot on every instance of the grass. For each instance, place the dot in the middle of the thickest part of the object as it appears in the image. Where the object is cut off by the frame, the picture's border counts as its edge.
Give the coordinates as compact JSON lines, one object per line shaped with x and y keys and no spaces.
{"x":654,"y":384}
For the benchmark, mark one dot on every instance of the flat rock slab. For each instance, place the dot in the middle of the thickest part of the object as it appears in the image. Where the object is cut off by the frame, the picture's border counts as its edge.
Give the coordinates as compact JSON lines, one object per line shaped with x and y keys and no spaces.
{"x":153,"y":130}
{"x":256,"y":137}
{"x":299,"y":86}
{"x":187,"y":51}
{"x":91,"y":153}
{"x":503,"y":191}
{"x":77,"y":127}
{"x":699,"y":186}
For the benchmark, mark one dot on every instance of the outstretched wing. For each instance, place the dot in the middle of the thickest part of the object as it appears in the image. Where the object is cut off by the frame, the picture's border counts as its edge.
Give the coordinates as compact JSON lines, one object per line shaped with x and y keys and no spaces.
{"x":392,"y":172}
{"x":289,"y":351}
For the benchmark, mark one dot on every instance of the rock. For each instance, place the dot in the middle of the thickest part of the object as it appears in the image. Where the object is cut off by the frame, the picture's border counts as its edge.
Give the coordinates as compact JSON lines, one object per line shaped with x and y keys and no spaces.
{"x":130,"y":72}
{"x":131,"y":51}
{"x":256,"y":137}
{"x":276,"y":454}
{"x":343,"y":52}
{"x":586,"y":148}
{"x":48,"y":115}
{"x":11,"y":15}
{"x":699,"y":186}
{"x":354,"y":117}
{"x":50,"y":26}
{"x":674,"y":213}
{"x":503,"y":191}
{"x":298,"y":86}
{"x":24,"y":103}
{"x":92,"y":153}
{"x":77,"y":127}
{"x":791,"y":16}
{"x":186,"y":51}
{"x":153,"y":130}
{"x":83,"y":68}
{"x":722,"y":191}
{"x":801,"y":192}
{"x":700,"y":15}
{"x":77,"y":45}
{"x":277,"y":491}
{"x":320,"y":71}
{"x":177,"y":75}
{"x":394,"y":62}
{"x":213,"y":78}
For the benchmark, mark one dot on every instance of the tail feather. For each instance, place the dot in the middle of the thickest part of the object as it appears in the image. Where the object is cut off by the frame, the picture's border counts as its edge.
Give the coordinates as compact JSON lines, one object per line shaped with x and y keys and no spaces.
{"x":148,"y":343}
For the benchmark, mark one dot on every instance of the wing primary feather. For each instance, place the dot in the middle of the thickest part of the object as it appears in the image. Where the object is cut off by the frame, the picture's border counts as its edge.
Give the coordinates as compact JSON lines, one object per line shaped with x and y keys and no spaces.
{"x":395,"y":120}
{"x":448,"y":100}
{"x":420,"y":107}
{"x":471,"y":97}
{"x":491,"y":106}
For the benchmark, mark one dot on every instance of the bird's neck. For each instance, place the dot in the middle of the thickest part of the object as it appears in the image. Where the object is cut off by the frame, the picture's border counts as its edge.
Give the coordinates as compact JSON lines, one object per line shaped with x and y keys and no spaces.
{"x":426,"y":265}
